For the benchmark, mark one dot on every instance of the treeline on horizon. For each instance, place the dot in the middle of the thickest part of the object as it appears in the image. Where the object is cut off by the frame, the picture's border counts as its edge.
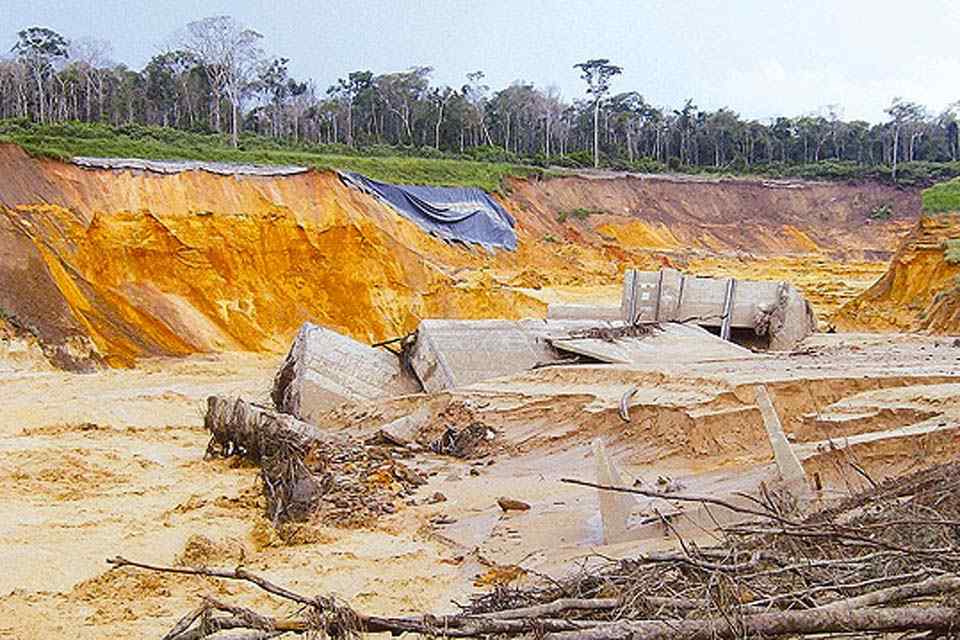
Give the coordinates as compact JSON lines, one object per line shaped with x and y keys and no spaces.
{"x":216,"y":79}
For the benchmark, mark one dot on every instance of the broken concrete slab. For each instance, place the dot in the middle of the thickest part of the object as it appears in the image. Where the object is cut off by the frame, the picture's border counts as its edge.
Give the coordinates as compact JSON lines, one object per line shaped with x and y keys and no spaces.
{"x":671,"y":344}
{"x":454,"y":353}
{"x":615,"y":507}
{"x":773,"y":309}
{"x":325,"y":368}
{"x":788,"y":464}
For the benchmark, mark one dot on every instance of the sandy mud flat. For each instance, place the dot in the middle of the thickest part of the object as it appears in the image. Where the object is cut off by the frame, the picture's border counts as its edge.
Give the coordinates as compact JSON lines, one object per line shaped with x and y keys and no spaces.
{"x":96,"y":465}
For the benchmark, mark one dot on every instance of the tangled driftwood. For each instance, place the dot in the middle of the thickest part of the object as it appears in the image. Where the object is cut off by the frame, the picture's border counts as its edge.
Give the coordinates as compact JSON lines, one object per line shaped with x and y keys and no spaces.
{"x":305,"y":471}
{"x":886,"y":560}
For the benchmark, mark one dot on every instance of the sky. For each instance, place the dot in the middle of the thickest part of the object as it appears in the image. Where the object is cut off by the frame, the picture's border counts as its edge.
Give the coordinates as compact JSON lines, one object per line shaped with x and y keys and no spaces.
{"x":761,"y":58}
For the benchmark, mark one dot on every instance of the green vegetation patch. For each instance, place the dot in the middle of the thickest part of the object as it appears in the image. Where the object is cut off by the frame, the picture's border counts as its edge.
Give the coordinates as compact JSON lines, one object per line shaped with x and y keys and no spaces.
{"x":389,"y":164}
{"x":580,"y":213}
{"x":951,"y":251}
{"x":483,"y":166}
{"x":881,"y":212}
{"x":942,"y":197}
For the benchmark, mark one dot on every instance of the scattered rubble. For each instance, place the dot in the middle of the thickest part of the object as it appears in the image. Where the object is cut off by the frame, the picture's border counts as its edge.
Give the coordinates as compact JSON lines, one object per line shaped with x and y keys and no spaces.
{"x":469,"y":442}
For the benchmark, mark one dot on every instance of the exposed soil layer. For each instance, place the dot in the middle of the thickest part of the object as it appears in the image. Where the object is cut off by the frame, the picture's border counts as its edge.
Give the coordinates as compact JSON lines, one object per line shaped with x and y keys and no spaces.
{"x":920,"y":289}
{"x":114,"y":265}
{"x":688,"y":216}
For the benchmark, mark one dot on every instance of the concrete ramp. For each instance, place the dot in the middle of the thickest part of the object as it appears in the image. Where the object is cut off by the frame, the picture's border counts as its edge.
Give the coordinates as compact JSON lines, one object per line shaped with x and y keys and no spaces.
{"x":669,"y":344}
{"x":325,"y":368}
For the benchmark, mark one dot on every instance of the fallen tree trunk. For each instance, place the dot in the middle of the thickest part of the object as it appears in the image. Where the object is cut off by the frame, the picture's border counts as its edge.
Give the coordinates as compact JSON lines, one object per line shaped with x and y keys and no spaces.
{"x":251,"y":430}
{"x":771,"y":625}
{"x":340,"y":621}
{"x":902,"y":593}
{"x":277,"y":442}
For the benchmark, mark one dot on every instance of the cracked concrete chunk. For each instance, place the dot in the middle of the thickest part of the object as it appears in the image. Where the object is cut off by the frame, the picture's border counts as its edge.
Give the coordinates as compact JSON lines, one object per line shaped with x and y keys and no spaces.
{"x":325,"y":368}
{"x":455,"y":353}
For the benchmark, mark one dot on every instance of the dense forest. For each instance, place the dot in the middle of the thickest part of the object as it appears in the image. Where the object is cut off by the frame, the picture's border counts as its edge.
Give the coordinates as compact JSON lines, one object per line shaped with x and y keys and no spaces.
{"x":217,"y":79}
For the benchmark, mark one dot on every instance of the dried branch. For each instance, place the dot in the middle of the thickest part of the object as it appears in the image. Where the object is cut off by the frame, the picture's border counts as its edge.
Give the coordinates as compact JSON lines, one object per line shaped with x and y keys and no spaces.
{"x":781,"y":623}
{"x":684,"y":498}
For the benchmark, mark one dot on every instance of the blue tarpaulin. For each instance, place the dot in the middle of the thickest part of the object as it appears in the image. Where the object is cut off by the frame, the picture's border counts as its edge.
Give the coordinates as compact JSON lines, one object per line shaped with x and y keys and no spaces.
{"x":452,"y":213}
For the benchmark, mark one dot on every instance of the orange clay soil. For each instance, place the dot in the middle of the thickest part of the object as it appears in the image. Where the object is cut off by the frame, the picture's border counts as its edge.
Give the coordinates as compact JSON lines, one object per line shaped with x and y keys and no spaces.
{"x":919,"y":291}
{"x":114,"y":265}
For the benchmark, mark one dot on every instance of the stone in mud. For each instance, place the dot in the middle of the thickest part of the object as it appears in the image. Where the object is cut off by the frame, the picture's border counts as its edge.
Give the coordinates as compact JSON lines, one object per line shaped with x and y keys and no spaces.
{"x":510,"y":504}
{"x":402,"y":432}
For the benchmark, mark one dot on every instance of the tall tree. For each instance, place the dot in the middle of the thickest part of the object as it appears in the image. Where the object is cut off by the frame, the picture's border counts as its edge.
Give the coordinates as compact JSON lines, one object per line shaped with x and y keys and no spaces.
{"x":902,"y":114}
{"x":273,"y":83}
{"x":349,"y":91}
{"x":475,"y":93}
{"x":91,"y":57}
{"x":229,"y":54}
{"x":39,"y":49}
{"x":440,"y":98}
{"x":597,"y":73}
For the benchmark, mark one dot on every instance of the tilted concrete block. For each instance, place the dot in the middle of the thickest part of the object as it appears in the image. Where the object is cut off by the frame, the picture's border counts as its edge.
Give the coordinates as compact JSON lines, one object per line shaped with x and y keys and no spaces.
{"x":325,"y":368}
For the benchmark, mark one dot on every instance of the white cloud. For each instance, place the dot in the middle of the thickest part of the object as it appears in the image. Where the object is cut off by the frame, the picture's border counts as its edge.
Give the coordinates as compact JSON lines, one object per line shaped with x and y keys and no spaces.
{"x":769,"y":89}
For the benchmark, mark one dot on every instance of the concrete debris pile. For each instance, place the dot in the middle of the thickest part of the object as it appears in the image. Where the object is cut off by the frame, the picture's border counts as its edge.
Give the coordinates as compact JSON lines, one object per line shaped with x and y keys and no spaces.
{"x":664,"y":323}
{"x":446,"y":354}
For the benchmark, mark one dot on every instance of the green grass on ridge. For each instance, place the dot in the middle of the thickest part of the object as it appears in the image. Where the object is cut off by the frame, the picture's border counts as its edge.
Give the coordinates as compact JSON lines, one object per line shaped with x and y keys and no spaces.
{"x":71,"y":139}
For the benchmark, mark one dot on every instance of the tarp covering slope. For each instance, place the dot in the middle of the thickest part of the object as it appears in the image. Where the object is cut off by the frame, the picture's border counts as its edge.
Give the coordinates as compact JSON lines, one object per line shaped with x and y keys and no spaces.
{"x":452,"y":213}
